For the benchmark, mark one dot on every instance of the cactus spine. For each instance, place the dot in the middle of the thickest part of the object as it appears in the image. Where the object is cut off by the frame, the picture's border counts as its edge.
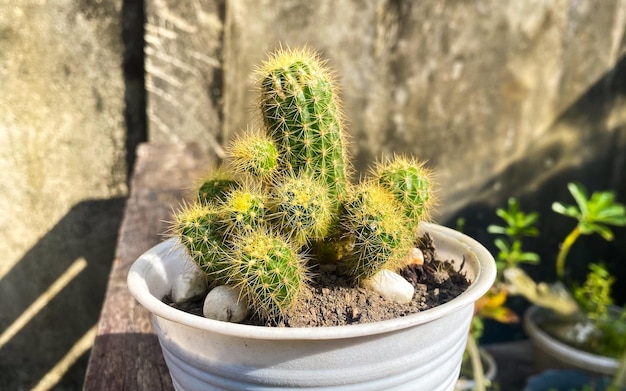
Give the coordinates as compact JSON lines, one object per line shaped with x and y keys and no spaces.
{"x":244,"y":208}
{"x":301,"y":114}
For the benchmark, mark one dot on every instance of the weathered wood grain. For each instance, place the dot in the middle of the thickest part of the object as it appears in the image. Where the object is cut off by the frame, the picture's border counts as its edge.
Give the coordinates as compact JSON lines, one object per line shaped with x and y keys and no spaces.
{"x":126,"y":354}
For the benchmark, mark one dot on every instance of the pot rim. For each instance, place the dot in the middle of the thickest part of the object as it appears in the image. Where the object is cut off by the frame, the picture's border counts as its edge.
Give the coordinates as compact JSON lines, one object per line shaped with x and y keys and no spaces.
{"x":485,"y":276}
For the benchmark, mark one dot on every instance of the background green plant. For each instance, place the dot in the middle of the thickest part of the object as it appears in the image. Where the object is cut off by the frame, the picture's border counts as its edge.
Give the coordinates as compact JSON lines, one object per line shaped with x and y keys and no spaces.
{"x":594,"y":298}
{"x":518,"y":225}
{"x":593,"y":215}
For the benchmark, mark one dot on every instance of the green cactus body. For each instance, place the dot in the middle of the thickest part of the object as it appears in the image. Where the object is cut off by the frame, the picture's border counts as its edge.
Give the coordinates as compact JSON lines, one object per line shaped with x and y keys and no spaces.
{"x":302,"y":116}
{"x":410,"y":184}
{"x":195,"y":227}
{"x":380,"y":235}
{"x":214,"y":187}
{"x":302,"y":208}
{"x":288,"y":188}
{"x":269,"y":271}
{"x":255,"y":155}
{"x":244,"y":208}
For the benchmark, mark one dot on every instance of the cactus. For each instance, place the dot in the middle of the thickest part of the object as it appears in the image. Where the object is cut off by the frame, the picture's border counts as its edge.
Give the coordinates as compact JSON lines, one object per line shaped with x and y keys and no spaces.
{"x":286,"y":189}
{"x":302,"y":208}
{"x":244,"y":208}
{"x":268,"y":270}
{"x":381,"y":237}
{"x":195,"y":226}
{"x":214,"y":186}
{"x":302,"y":115}
{"x":254,"y":154}
{"x":410,"y":184}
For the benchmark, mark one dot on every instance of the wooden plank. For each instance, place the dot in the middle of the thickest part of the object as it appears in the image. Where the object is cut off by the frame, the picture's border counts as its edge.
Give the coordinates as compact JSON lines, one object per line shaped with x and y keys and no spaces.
{"x":126,"y":354}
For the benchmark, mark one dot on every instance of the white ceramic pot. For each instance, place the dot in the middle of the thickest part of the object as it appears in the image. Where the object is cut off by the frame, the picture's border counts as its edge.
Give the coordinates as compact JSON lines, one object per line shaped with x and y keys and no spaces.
{"x":550,"y":353}
{"x":422,"y":351}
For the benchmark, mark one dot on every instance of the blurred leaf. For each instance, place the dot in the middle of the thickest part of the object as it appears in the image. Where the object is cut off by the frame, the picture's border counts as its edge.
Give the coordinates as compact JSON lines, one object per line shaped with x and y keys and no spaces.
{"x":567,"y":210}
{"x":496,"y":229}
{"x":500,"y":314}
{"x":603,"y":231}
{"x":531,"y":258}
{"x":580,"y":195}
{"x":495,"y":297}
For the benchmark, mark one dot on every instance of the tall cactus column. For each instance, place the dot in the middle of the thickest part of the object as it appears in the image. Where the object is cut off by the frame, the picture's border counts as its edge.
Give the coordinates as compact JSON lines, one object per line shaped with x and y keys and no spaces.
{"x":301,"y":114}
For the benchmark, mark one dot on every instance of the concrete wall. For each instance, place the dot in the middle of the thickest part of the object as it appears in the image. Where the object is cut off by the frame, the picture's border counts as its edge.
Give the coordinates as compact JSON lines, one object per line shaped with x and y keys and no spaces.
{"x":503,"y":98}
{"x":472,"y":87}
{"x":62,"y":178}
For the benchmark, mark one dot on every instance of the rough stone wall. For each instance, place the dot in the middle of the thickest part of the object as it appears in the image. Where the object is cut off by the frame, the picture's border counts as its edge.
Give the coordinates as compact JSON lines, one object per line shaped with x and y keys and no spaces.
{"x":469,"y":86}
{"x":184,"y":42}
{"x":62,"y":175}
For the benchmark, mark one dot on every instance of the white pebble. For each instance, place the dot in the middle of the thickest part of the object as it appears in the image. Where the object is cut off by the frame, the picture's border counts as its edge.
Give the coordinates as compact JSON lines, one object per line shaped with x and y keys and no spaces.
{"x":415,"y":256}
{"x":391,"y":286}
{"x":224,"y":303}
{"x":192,"y":282}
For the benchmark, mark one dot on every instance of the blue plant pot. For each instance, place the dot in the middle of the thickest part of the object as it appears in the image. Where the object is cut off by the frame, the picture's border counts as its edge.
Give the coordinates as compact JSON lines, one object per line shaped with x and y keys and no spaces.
{"x":565,"y":380}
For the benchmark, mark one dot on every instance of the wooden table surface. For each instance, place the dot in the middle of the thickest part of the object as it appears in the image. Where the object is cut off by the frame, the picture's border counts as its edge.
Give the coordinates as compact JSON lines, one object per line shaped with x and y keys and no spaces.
{"x":126,"y":354}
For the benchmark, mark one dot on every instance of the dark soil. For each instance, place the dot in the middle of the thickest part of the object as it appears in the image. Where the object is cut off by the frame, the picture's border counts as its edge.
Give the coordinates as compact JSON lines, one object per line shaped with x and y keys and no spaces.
{"x":332,"y":301}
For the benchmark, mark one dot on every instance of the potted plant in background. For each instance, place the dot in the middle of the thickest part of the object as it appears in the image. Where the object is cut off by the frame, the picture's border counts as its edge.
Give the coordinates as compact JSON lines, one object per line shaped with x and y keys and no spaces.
{"x":578,"y":327}
{"x":575,"y":380}
{"x":280,"y":215}
{"x":479,"y":368}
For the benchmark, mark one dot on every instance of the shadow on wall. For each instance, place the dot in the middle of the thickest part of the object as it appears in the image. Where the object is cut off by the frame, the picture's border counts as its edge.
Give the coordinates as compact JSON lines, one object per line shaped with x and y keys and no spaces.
{"x":40,"y":326}
{"x":587,"y":144}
